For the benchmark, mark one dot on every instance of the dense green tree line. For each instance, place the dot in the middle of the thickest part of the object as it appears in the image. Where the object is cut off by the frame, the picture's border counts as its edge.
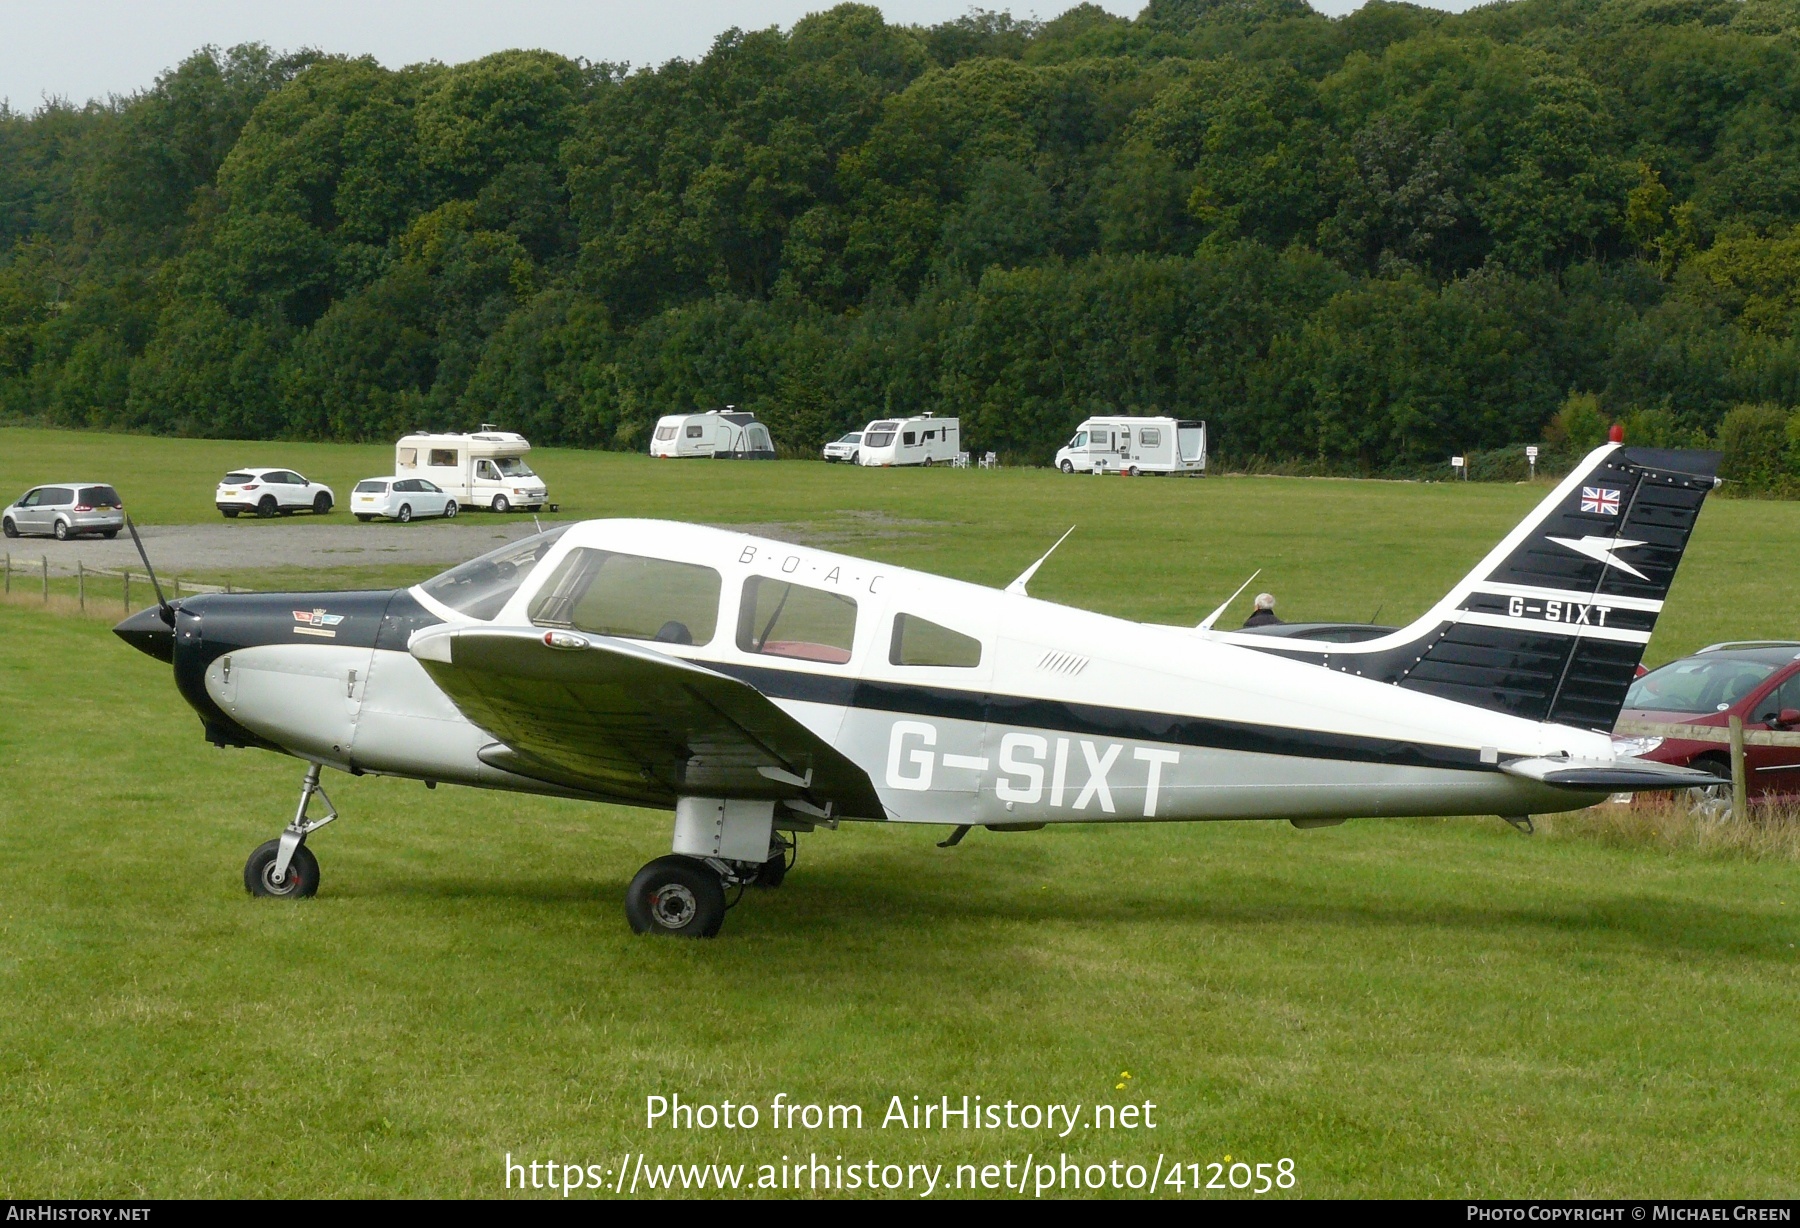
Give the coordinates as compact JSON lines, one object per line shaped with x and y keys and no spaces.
{"x":1356,"y":245}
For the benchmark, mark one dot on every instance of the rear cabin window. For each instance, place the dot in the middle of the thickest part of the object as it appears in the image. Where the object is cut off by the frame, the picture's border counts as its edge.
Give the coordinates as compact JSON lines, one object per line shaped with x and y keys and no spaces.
{"x":919,"y":641}
{"x":631,"y":597}
{"x":101,"y":496}
{"x":442,"y":458}
{"x":779,"y":619}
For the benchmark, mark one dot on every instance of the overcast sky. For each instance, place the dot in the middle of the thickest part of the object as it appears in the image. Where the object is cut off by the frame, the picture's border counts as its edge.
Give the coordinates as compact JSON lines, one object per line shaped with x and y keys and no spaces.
{"x":80,"y":49}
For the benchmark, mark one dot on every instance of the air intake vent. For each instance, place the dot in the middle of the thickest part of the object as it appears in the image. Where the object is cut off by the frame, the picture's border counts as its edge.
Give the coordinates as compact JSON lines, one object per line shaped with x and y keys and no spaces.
{"x":1065,"y":663}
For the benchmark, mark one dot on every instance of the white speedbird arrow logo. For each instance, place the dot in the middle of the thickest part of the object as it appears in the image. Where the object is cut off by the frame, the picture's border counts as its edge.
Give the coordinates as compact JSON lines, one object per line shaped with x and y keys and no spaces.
{"x":1603,"y":548}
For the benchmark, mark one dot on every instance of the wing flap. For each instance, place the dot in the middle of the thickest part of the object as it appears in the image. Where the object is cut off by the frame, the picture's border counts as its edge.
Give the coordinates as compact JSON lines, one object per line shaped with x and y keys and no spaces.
{"x":624,"y":720}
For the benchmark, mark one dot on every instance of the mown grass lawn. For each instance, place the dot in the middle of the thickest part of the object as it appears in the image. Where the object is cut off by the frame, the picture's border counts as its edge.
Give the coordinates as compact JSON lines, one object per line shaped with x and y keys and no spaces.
{"x":1431,"y":1008}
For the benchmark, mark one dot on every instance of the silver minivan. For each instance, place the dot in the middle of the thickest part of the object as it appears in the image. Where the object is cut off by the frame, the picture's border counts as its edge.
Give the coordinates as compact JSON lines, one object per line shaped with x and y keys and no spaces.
{"x":65,"y":510}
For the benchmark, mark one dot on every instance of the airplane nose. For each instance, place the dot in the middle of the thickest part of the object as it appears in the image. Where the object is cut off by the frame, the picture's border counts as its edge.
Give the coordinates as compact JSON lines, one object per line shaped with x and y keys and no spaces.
{"x":148,"y":633}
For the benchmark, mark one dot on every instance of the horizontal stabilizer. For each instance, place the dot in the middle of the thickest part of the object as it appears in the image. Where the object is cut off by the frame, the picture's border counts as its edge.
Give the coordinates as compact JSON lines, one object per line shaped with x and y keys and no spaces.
{"x":1636,"y":775}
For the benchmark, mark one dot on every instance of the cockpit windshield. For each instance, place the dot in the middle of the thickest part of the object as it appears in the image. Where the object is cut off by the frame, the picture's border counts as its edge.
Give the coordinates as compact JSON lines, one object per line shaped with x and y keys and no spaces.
{"x":481,"y":586}
{"x":514,"y":467}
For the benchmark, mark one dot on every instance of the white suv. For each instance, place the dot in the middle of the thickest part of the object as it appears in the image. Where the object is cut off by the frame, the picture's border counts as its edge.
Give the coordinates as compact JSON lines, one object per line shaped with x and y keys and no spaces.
{"x":270,"y":491}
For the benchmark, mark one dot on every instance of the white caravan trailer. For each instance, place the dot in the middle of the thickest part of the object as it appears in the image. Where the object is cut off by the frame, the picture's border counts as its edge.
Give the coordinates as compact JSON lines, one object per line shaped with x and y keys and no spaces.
{"x":925,"y":440}
{"x":724,"y":434}
{"x":1136,"y":445}
{"x":485,"y":469}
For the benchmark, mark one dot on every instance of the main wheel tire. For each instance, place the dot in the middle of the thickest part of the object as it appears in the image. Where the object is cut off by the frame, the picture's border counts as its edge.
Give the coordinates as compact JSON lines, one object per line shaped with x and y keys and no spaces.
{"x":773,"y":872}
{"x":302,"y":881}
{"x":267,"y":508}
{"x":363,"y":518}
{"x":62,"y":532}
{"x":232,"y":515}
{"x":500,"y":504}
{"x":8,"y":527}
{"x":450,"y":510}
{"x":1068,"y":466}
{"x":321,"y":504}
{"x":676,"y":896}
{"x":404,"y":514}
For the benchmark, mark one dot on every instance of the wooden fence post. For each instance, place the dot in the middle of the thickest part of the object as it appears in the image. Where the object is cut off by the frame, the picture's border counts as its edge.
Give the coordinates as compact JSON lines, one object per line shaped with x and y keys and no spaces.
{"x":46,"y":559}
{"x":81,"y":585}
{"x":9,"y":572}
{"x":127,"y":576}
{"x":178,"y":587}
{"x":1740,"y":786}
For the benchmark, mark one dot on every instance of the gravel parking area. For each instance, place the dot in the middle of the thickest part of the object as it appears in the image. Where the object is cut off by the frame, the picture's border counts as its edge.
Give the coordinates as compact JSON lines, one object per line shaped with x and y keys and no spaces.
{"x":250,"y":546}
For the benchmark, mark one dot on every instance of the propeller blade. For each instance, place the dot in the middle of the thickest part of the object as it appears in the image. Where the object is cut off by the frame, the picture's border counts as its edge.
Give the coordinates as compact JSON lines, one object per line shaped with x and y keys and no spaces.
{"x":1018,"y":586}
{"x":1207,"y":622}
{"x":161,"y":601}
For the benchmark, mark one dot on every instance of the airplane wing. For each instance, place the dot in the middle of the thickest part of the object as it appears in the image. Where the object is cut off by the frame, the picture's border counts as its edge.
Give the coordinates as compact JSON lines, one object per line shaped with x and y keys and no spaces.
{"x":617,"y":718}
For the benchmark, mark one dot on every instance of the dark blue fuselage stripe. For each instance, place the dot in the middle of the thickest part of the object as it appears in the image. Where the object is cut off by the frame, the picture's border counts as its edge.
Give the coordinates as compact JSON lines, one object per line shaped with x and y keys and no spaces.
{"x":1098,"y":721}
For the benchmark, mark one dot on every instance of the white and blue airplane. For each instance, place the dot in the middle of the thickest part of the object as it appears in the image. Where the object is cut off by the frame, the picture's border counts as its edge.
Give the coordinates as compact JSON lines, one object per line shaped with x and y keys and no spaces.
{"x":759,"y":689}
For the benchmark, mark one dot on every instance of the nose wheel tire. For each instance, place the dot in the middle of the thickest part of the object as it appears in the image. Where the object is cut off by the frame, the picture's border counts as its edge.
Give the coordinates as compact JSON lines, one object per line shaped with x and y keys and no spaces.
{"x":321,"y":504}
{"x":501,"y":505}
{"x":301,"y":881}
{"x":676,"y":896}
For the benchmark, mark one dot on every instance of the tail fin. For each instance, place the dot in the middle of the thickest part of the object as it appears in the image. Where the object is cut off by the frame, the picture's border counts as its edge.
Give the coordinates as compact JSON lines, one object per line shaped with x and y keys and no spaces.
{"x":1551,"y":625}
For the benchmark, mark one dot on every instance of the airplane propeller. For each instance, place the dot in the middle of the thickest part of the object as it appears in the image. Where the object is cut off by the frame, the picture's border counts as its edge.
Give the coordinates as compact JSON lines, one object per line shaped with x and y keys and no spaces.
{"x":1206,"y":623}
{"x":162,"y":604}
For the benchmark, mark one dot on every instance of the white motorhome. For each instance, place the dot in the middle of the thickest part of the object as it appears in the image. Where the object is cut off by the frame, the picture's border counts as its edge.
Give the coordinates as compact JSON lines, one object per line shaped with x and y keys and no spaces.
{"x":724,"y":434}
{"x":1136,"y":445}
{"x":484,"y":469}
{"x":925,"y":440}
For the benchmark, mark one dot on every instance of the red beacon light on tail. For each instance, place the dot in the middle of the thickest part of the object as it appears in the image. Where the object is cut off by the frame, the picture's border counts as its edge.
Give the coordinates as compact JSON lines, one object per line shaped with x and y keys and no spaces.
{"x":1617,"y":433}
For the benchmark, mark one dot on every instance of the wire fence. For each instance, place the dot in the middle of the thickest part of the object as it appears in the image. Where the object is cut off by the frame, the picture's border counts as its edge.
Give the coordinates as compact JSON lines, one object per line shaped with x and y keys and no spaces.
{"x":94,"y":587}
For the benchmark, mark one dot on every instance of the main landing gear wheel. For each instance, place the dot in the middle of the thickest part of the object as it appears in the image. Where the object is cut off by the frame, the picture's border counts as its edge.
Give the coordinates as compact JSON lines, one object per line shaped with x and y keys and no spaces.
{"x":677,"y":896}
{"x":299,"y":883}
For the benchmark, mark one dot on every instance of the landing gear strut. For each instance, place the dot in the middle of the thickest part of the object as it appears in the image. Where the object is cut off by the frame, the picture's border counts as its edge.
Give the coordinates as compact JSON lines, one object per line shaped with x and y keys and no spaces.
{"x":284,"y":868}
{"x":687,"y":894}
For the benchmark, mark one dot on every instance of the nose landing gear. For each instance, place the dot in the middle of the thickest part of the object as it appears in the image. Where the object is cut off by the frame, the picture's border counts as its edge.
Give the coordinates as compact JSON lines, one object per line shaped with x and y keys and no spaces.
{"x":284,"y":868}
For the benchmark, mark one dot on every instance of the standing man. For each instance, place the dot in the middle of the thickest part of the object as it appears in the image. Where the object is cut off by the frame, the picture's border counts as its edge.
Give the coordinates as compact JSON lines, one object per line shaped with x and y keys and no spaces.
{"x":1264,"y":613}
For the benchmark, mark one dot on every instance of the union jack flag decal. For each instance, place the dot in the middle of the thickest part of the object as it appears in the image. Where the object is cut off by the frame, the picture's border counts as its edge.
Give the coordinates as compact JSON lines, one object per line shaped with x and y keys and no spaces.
{"x":1596,"y":499}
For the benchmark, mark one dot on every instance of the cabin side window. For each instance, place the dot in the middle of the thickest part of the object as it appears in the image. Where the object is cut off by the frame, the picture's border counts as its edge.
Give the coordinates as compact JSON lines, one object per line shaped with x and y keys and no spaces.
{"x":693,"y":432}
{"x":779,"y":619}
{"x":919,"y":641}
{"x":408,"y":458}
{"x":1150,"y":437}
{"x":442,"y":458}
{"x":630,"y":596}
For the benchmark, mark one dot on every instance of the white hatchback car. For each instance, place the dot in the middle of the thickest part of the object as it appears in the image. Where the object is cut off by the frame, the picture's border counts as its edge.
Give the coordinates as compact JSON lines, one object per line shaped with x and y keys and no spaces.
{"x":399,"y":498}
{"x":267,"y":492}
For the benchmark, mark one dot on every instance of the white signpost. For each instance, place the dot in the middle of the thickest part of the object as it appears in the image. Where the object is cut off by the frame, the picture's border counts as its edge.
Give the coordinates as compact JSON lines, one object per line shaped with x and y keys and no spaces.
{"x":1531,"y":458}
{"x":1457,"y":462}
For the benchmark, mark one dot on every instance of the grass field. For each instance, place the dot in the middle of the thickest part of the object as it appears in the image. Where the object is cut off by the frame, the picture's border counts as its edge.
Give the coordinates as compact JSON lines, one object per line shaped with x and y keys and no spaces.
{"x":1429,"y":1008}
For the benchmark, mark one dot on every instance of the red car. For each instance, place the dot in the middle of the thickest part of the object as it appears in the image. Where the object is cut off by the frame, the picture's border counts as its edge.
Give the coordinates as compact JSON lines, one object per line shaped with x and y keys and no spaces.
{"x":1758,"y":681}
